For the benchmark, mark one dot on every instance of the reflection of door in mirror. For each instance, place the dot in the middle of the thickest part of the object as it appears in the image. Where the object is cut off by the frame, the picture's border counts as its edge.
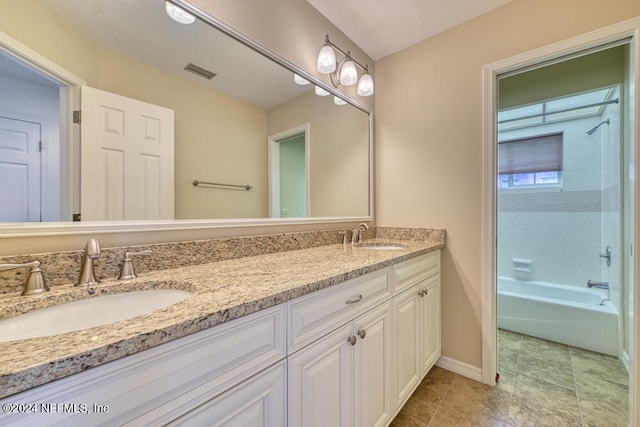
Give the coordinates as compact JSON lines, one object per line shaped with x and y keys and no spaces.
{"x":127,"y":158}
{"x":19,"y":169}
{"x":31,"y":146}
{"x":289,"y":173}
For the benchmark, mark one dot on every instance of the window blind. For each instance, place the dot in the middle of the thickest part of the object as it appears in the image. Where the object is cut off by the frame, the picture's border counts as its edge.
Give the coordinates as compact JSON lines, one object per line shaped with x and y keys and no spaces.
{"x":533,"y":154}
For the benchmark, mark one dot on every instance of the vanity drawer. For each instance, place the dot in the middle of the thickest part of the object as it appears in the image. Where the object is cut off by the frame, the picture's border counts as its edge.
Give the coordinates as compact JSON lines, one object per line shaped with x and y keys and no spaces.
{"x":316,"y":314}
{"x":410,"y":272}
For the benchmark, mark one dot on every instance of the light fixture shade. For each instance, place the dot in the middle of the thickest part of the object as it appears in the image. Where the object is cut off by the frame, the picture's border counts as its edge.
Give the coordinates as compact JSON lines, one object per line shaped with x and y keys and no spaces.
{"x":348,"y":73}
{"x":326,"y":60}
{"x":178,"y":14}
{"x":339,"y":101}
{"x":365,"y":85}
{"x":300,"y":80}
{"x":321,"y":92}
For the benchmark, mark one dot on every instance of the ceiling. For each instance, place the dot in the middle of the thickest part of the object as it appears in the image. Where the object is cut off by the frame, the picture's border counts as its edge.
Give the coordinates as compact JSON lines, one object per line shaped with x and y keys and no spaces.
{"x":381,"y":27}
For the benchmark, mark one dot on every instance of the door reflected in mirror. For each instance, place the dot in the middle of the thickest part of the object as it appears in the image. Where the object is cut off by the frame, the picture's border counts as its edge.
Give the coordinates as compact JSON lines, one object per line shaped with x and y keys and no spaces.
{"x":227,"y":105}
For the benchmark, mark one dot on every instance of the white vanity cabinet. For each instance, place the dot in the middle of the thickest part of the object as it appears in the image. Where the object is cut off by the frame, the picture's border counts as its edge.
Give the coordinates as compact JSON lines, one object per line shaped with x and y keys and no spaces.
{"x":343,"y":379}
{"x":347,"y":355}
{"x":259,"y":401}
{"x":357,"y":366}
{"x":161,"y":384}
{"x":416,"y":312}
{"x":339,"y":354}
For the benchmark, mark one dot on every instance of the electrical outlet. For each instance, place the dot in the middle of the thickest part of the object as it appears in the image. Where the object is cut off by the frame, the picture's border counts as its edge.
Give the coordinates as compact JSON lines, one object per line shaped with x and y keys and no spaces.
{"x":284,"y":213}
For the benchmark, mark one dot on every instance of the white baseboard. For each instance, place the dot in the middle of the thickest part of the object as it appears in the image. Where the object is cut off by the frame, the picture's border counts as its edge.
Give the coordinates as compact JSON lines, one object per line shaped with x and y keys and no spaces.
{"x":460,"y":368}
{"x":625,"y":360}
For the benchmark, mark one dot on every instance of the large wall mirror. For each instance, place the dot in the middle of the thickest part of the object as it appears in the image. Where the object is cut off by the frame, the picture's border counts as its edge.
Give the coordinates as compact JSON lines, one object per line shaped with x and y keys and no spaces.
{"x":259,"y":144}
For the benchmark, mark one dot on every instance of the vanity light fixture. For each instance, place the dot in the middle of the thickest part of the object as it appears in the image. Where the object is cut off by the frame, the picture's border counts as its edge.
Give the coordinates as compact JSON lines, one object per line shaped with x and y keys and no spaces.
{"x":339,"y":101}
{"x":344,"y":72}
{"x":178,"y":14}
{"x":321,"y":92}
{"x":300,"y":80}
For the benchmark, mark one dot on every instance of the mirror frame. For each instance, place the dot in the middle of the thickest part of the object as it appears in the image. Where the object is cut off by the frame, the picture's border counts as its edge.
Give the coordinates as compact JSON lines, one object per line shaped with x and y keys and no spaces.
{"x":15,"y":229}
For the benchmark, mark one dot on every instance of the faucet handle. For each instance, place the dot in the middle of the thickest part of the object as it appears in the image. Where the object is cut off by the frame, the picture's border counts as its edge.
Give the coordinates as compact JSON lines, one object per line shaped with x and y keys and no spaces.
{"x":35,"y":282}
{"x":128,"y":272}
{"x":345,"y":237}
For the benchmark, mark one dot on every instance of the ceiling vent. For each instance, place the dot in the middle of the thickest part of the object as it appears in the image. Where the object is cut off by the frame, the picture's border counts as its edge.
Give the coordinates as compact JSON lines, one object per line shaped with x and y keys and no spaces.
{"x":202,"y":72}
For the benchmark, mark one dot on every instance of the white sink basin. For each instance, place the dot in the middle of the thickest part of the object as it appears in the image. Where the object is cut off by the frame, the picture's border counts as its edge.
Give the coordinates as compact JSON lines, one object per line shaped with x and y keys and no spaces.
{"x":87,"y":313}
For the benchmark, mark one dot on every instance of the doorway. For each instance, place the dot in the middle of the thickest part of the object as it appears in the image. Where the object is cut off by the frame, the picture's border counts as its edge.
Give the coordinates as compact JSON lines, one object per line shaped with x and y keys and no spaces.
{"x":560,"y":291}
{"x":38,"y":92}
{"x":289,"y":173}
{"x":526,"y":265}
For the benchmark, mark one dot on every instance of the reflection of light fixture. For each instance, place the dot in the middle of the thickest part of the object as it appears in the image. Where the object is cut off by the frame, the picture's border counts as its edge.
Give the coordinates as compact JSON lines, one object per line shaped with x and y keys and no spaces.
{"x":344,"y":72}
{"x":321,"y":92}
{"x":339,"y":101}
{"x":300,"y":80}
{"x":178,"y":14}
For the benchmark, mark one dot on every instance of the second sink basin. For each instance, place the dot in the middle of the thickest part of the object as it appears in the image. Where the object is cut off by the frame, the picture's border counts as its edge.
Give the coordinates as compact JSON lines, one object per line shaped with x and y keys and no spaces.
{"x":87,"y":313}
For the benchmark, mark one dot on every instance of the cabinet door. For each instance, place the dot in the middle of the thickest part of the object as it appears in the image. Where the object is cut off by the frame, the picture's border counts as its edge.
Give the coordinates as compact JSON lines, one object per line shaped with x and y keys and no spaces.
{"x":259,"y":401}
{"x":373,"y":402}
{"x":320,"y":383}
{"x":430,"y":330}
{"x":406,"y":313}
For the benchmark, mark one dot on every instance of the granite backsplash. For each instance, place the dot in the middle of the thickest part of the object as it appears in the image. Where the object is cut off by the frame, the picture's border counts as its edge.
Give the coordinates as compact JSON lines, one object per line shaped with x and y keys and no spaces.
{"x":63,"y":268}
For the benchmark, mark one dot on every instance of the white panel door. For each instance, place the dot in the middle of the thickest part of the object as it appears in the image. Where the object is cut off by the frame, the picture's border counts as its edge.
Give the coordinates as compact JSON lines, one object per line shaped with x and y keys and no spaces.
{"x":374,"y":406}
{"x":321,"y":382}
{"x":127,"y":157}
{"x":19,"y":170}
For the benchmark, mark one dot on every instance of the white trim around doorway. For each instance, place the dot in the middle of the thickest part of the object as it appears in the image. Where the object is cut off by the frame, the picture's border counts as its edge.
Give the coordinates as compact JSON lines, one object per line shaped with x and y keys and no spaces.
{"x":626,"y":29}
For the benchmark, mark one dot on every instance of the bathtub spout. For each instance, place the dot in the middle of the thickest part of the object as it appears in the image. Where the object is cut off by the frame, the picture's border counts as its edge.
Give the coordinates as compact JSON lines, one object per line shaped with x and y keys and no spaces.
{"x":598,"y":285}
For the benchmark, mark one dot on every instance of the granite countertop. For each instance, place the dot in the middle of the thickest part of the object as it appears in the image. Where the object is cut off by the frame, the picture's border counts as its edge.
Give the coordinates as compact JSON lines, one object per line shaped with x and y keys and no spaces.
{"x":221,"y":291}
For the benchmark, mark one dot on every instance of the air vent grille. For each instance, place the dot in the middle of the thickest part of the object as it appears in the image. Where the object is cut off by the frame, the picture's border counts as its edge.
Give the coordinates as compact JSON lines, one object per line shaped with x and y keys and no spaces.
{"x":202,"y":72}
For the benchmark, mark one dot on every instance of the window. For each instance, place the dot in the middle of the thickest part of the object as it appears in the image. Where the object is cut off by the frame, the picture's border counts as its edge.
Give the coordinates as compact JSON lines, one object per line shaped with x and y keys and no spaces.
{"x":537,"y":179}
{"x":532,"y":161}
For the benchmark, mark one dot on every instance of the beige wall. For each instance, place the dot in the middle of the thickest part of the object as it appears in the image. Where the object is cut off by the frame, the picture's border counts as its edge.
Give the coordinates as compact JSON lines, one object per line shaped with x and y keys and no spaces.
{"x":429,"y":138}
{"x":339,"y":152}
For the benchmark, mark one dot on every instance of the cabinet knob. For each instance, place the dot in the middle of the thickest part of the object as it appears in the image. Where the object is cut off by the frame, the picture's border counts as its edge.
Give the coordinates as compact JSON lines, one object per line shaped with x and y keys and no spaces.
{"x":362,"y":333}
{"x":352,"y":340}
{"x":423,"y":292}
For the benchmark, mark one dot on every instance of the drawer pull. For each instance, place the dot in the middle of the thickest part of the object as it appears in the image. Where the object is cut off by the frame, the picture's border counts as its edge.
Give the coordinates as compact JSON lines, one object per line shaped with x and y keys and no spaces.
{"x":354,"y":300}
{"x":362,"y":333}
{"x":352,"y":340}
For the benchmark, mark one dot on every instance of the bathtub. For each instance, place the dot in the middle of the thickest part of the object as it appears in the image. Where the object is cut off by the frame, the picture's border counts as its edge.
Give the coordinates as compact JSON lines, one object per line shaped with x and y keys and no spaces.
{"x":566,"y":314}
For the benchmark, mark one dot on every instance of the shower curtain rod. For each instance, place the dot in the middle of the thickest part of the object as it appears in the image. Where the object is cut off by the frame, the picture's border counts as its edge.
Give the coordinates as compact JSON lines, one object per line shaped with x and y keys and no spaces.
{"x":566,"y":110}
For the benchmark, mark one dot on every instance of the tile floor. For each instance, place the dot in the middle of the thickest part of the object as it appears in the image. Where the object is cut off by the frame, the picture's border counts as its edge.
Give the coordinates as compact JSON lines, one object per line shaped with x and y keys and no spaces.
{"x":542,"y":383}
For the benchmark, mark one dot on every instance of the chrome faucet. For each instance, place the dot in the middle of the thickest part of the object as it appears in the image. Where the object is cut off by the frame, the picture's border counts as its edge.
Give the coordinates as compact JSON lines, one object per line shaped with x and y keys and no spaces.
{"x":598,"y":285}
{"x":356,"y":234}
{"x":35,"y":282}
{"x":87,"y":272}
